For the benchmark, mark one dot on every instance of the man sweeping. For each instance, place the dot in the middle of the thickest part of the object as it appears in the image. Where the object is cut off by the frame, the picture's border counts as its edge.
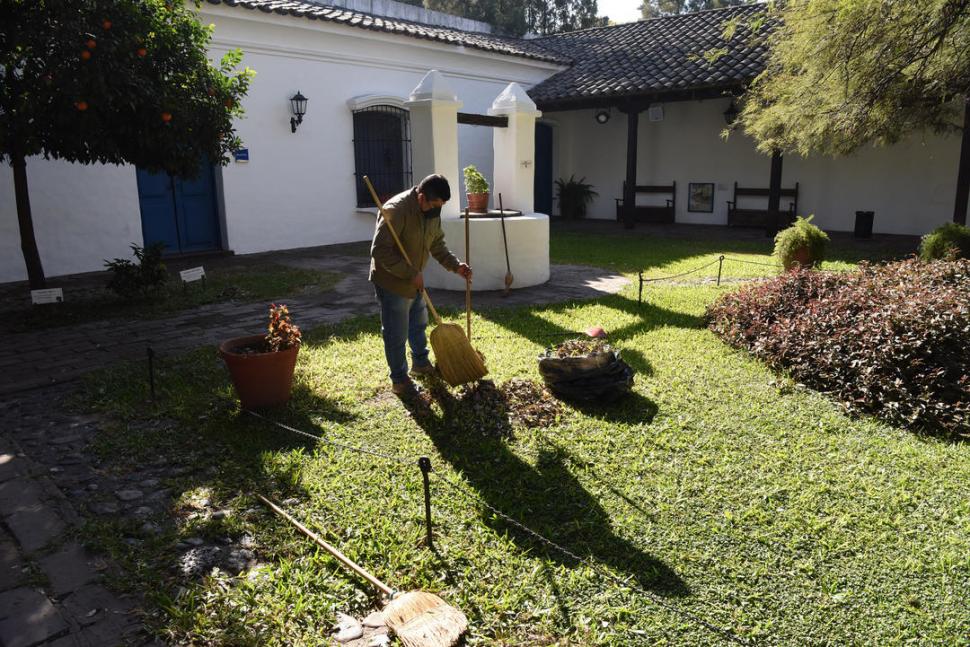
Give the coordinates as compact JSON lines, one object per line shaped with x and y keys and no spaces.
{"x":416,"y":217}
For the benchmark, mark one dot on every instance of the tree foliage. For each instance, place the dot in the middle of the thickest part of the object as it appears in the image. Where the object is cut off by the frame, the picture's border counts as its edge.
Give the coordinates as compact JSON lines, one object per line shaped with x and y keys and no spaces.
{"x":515,"y":18}
{"x":115,"y":81}
{"x":657,"y":8}
{"x":842,"y":73}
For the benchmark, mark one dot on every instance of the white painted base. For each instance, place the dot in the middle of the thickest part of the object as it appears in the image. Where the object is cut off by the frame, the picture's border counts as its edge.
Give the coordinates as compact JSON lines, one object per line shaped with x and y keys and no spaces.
{"x":528,"y":237}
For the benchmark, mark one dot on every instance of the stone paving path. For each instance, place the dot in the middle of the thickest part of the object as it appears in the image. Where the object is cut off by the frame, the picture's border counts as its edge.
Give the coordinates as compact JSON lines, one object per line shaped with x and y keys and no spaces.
{"x":52,"y":590}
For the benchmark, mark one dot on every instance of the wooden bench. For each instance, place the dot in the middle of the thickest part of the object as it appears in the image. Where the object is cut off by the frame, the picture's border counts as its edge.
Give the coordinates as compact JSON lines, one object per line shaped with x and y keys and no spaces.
{"x":656,"y":214}
{"x":745,"y":217}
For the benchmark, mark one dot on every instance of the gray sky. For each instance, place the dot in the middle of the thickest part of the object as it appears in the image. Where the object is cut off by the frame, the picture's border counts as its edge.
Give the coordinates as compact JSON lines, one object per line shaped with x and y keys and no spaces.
{"x":620,"y":10}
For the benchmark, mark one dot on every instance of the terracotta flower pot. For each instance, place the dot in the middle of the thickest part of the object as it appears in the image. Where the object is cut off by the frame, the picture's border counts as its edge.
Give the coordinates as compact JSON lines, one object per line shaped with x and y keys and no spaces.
{"x":802,"y":257}
{"x":477,"y":202}
{"x":261,"y":379}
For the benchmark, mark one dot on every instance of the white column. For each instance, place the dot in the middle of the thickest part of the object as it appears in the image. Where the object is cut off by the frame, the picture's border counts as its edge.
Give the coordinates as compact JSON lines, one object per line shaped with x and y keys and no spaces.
{"x":514,"y":149}
{"x":434,"y":134}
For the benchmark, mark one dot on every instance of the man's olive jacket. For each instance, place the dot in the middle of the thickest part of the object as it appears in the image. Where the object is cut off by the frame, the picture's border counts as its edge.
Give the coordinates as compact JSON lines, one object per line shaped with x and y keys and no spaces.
{"x":418,"y":233}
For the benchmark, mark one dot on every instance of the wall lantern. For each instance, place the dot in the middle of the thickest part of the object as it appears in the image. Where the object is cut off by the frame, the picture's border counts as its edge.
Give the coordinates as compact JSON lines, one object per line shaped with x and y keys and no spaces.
{"x":298,"y":104}
{"x":731,"y":114}
{"x":602,"y":117}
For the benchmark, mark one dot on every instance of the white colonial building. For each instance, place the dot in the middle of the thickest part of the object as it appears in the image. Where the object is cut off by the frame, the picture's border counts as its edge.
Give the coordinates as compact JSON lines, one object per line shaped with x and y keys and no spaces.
{"x":630,"y":108}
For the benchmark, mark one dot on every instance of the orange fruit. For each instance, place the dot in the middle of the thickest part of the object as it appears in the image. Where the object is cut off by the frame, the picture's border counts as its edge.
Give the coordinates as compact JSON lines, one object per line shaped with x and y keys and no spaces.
{"x":106,"y":24}
{"x":229,"y":103}
{"x":81,"y":105}
{"x":142,"y":51}
{"x":91,"y":43}
{"x":166,"y":117}
{"x":85,"y":55}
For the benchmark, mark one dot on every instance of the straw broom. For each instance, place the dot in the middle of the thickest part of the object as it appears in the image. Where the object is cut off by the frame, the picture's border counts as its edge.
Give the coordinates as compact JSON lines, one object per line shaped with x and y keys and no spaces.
{"x":418,"y":618}
{"x":458,"y":362}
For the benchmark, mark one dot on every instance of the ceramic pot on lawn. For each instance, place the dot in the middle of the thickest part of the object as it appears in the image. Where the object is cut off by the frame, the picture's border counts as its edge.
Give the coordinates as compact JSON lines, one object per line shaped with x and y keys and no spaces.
{"x":477,"y":202}
{"x":262,"y":379}
{"x":801,"y":257}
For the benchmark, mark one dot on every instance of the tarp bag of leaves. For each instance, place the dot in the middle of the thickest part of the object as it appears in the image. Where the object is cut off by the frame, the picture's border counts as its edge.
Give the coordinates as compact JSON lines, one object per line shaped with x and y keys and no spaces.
{"x":585,"y":370}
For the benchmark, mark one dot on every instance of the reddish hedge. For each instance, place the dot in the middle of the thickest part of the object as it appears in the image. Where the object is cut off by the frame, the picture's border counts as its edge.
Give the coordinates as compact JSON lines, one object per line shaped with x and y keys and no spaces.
{"x":892,"y":340}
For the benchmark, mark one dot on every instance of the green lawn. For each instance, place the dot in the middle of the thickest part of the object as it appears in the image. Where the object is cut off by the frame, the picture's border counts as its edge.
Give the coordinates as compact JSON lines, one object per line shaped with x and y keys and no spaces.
{"x":719,"y":488}
{"x":97,"y":303}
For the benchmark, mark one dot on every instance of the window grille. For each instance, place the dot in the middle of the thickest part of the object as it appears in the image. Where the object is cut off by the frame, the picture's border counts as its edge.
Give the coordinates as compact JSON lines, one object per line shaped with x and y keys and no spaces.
{"x":382,"y":151}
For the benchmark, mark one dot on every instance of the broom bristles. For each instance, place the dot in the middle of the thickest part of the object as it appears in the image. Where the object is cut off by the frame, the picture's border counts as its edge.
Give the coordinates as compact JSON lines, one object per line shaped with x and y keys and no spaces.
{"x":421,"y":619}
{"x":458,"y":362}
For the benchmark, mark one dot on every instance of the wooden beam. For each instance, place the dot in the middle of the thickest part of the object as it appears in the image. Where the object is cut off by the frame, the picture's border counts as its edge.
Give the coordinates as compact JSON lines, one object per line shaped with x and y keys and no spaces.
{"x":483,"y":120}
{"x":963,"y":172}
{"x":774,"y":193}
{"x":630,"y":186}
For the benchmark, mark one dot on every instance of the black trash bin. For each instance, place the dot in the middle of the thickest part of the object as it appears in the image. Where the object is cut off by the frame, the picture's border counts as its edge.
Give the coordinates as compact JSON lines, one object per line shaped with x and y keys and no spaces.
{"x":863,"y":223}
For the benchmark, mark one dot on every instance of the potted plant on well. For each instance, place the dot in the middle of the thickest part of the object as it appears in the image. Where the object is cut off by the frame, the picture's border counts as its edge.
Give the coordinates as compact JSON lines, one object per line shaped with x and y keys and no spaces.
{"x":476,"y":189}
{"x":801,"y":244}
{"x":574,"y":197}
{"x":261,"y":366}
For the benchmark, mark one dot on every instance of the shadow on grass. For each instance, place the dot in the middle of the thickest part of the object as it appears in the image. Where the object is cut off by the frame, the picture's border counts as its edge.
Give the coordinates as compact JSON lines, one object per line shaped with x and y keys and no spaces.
{"x":546,"y":497}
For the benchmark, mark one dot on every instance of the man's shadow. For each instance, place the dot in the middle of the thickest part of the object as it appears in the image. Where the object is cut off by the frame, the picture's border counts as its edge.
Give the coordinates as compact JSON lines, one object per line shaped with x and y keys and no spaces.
{"x":545,"y":497}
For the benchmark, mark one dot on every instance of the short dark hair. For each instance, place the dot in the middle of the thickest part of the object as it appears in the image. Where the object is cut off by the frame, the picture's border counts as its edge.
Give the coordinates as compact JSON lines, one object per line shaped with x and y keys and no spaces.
{"x":435,"y":187}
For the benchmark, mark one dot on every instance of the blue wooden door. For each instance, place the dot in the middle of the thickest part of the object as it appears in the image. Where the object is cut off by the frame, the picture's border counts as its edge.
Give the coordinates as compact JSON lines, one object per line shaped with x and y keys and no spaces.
{"x":543,"y":168}
{"x":180,"y":212}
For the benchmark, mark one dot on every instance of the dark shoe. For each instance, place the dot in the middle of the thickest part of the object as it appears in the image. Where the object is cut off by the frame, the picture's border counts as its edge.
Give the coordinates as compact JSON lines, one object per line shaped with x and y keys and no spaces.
{"x":406,"y":389}
{"x":426,"y":370}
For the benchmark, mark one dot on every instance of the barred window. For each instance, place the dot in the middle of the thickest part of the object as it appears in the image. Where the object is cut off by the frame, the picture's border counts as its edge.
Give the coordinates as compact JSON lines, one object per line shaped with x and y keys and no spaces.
{"x":382,"y":151}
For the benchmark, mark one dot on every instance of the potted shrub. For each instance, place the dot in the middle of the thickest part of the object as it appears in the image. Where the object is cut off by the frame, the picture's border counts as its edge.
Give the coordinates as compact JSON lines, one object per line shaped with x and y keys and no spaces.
{"x":947,"y":242}
{"x":801,"y":244}
{"x":476,"y":189}
{"x":574,"y":197}
{"x":261,"y":366}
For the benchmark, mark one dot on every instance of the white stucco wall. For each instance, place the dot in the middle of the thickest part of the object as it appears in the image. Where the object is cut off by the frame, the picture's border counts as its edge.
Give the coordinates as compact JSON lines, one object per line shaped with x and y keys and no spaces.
{"x":297,"y":190}
{"x":82,"y":215}
{"x":910,"y":186}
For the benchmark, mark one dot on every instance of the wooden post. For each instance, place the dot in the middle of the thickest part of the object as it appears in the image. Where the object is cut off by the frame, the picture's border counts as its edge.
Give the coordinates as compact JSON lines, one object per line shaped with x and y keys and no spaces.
{"x":629,"y":188}
{"x":963,"y":173}
{"x":774,"y":194}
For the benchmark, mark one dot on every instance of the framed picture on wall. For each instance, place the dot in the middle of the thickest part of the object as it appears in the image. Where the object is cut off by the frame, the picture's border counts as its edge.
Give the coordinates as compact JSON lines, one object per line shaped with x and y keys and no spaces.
{"x":700,"y":197}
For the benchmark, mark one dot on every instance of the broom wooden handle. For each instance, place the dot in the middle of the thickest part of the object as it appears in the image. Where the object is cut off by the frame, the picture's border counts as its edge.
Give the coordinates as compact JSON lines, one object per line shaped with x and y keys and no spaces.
{"x":400,"y":247}
{"x":343,"y":559}
{"x":468,"y":281}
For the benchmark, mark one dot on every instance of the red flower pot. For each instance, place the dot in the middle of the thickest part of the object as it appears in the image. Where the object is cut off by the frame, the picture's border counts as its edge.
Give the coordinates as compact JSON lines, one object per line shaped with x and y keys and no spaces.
{"x":477,"y":202}
{"x":261,"y":379}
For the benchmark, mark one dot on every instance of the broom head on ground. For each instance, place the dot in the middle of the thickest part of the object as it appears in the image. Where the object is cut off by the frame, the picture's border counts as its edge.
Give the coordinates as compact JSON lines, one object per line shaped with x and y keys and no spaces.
{"x":458,"y":362}
{"x":421,"y":619}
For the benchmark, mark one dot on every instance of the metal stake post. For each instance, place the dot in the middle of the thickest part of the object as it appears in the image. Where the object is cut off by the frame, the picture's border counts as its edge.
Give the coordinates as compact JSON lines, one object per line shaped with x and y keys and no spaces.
{"x":425,"y":464}
{"x":720,"y":264}
{"x":151,"y":373}
{"x":640,"y":293}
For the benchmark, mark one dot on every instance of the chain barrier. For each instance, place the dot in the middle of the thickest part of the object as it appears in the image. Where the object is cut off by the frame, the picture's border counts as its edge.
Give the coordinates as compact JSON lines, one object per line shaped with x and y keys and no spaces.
{"x":351,"y":448}
{"x":720,"y":266}
{"x":596,"y":567}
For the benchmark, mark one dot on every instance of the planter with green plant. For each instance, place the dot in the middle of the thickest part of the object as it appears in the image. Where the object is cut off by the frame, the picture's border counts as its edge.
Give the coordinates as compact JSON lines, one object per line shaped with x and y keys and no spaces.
{"x":947,"y":242}
{"x":476,"y":189}
{"x":574,"y":197}
{"x":261,"y":366}
{"x":803,"y":244}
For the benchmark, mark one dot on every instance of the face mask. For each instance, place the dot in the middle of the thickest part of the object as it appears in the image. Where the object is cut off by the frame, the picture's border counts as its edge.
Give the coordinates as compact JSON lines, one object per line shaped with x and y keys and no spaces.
{"x":434,"y":212}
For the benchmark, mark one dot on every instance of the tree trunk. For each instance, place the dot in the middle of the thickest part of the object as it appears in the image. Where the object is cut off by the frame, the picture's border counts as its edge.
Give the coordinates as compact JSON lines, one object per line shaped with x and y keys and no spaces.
{"x":28,"y":244}
{"x":963,"y":174}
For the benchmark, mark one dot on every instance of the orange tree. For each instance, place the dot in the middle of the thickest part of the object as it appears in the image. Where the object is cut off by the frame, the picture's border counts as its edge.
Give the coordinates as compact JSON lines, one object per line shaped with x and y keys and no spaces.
{"x":111,"y":81}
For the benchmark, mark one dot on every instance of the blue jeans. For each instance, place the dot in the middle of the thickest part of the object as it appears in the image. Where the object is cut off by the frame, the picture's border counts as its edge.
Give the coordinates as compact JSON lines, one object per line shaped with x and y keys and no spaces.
{"x":403,"y":320}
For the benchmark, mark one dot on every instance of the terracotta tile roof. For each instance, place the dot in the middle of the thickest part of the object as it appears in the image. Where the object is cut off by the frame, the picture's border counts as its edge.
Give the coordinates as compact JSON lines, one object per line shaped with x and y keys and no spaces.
{"x":653,"y":57}
{"x":318,"y":11}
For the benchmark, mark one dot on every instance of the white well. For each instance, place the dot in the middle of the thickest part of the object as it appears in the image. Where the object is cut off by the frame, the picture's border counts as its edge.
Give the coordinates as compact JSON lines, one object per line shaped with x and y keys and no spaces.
{"x":528,"y":237}
{"x":434,"y":123}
